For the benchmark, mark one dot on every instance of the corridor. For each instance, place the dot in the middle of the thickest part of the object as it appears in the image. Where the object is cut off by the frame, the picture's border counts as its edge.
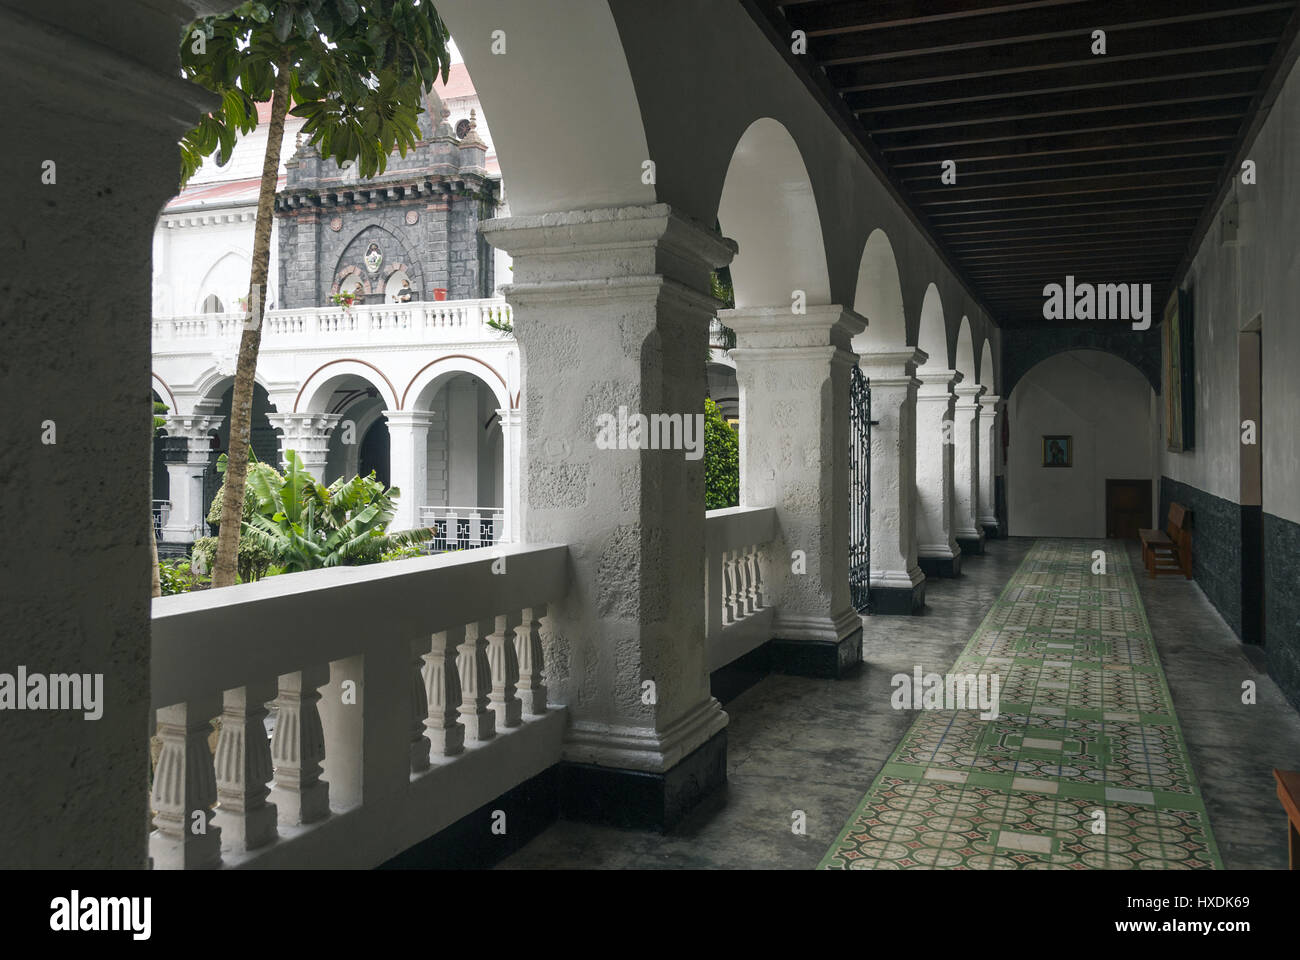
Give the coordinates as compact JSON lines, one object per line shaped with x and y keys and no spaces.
{"x":1094,"y":717}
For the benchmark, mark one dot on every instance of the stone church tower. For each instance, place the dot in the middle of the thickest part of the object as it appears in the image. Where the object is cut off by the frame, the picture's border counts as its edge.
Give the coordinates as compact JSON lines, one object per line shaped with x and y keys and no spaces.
{"x":417,"y":221}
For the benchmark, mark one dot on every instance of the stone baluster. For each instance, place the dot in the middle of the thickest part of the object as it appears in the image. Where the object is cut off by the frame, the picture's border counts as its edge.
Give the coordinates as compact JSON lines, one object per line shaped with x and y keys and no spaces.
{"x":731,"y":575}
{"x":755,"y":580}
{"x":504,"y":663}
{"x":532,"y":661}
{"x":298,"y":747}
{"x":476,"y":682}
{"x":185,"y":788}
{"x":442,"y":726}
{"x":420,"y":745}
{"x":244,"y":768}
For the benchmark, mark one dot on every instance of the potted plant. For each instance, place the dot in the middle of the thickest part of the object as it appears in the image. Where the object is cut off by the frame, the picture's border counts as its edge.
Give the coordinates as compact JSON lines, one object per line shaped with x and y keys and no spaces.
{"x":344,"y":299}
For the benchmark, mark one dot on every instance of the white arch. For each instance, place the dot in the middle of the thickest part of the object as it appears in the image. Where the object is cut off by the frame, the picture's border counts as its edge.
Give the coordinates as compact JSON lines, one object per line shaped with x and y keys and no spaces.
{"x":575,"y":141}
{"x":965,"y":356}
{"x":769,"y":209}
{"x":228,"y":278}
{"x":316,"y":391}
{"x":987,"y":366}
{"x":418,"y":394}
{"x":207,"y":384}
{"x":932,"y":337}
{"x":879,"y":297}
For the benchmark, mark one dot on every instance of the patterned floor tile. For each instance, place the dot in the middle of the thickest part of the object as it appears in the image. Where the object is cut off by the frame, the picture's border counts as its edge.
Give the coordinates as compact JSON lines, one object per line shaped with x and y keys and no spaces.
{"x":1084,"y":769}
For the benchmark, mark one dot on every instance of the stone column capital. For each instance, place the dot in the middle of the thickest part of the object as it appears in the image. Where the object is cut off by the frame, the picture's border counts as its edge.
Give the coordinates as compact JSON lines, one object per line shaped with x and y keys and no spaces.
{"x":628,"y":241}
{"x":413,"y":419}
{"x":778,"y":328}
{"x":510,"y":417}
{"x":968,"y":395}
{"x":892,"y":368}
{"x":947,"y":379}
{"x":305,"y":424}
{"x":192,"y":426}
{"x":991,"y":402}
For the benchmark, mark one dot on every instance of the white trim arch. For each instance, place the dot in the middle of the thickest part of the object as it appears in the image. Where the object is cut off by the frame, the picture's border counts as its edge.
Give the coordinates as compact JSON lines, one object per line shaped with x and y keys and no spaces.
{"x":425,"y":384}
{"x":932,"y":333}
{"x":986,"y":365}
{"x":218,"y":280}
{"x":879,"y":297}
{"x":964,"y":355}
{"x":781,"y":249}
{"x":317,"y":389}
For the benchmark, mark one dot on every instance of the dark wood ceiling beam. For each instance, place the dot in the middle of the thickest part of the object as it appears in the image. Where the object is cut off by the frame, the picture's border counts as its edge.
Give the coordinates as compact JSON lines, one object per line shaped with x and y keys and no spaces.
{"x":1151,"y":25}
{"x":979,"y":131}
{"x":1058,"y":54}
{"x":1107,"y":227}
{"x":988,"y":186}
{"x":1162,"y":155}
{"x":1101,"y":73}
{"x":1155,"y":198}
{"x":972,"y":250}
{"x":1096,"y":143}
{"x":817,"y":17}
{"x":1034,"y":105}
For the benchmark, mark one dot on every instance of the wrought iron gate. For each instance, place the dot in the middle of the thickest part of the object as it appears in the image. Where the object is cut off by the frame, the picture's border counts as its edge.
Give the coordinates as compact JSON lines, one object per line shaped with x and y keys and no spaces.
{"x":860,"y":490}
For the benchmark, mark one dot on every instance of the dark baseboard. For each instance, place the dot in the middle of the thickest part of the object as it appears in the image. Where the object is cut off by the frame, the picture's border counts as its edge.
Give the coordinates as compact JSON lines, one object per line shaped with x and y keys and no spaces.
{"x":640,"y":800}
{"x":823,"y":659}
{"x":470,"y":844}
{"x":730,"y":681}
{"x":970,"y":546}
{"x":898,"y":601}
{"x":945,"y":567}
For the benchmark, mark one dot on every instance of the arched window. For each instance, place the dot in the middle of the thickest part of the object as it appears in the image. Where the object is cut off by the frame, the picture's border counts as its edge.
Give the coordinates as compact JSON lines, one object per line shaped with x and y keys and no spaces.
{"x":212,"y":304}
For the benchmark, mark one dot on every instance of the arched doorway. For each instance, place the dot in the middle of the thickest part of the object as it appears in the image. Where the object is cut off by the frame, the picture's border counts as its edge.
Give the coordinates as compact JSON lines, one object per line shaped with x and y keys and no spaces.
{"x":1080,"y":421}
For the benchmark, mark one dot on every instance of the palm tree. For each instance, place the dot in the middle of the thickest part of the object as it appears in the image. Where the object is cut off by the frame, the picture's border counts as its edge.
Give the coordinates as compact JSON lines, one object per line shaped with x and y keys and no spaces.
{"x":358,"y":74}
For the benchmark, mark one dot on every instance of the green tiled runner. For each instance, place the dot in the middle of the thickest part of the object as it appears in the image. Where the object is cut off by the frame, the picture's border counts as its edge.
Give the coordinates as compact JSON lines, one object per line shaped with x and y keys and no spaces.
{"x":1086,"y":725}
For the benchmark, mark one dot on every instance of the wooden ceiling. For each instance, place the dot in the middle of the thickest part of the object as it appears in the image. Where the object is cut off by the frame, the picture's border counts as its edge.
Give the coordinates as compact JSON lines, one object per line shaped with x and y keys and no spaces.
{"x":1104,"y":167}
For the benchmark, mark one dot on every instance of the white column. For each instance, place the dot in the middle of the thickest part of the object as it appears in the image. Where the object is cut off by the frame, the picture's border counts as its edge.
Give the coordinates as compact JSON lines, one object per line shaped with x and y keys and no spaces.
{"x":185,"y":480}
{"x":897,"y":583}
{"x":463,"y":430}
{"x":408,"y":461}
{"x":966,"y":468}
{"x":793,"y":374}
{"x":308,"y":435}
{"x":936,"y":547}
{"x":511,"y":444}
{"x":988,"y":437}
{"x":611,"y":310}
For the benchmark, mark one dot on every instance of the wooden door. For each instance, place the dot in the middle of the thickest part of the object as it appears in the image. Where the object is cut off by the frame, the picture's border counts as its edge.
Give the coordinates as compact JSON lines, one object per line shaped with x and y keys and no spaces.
{"x":1128,"y":508}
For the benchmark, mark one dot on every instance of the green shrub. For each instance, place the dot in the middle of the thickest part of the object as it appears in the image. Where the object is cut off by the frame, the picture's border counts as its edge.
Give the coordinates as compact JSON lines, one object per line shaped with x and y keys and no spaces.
{"x":721,"y":460}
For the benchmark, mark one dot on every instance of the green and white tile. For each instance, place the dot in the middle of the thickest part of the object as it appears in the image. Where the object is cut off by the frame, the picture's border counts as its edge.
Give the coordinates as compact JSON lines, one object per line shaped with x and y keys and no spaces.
{"x":1085,"y":768}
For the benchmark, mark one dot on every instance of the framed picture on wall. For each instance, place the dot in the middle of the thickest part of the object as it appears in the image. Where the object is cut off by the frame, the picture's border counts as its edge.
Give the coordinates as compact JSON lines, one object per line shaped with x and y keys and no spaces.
{"x":1180,"y":373}
{"x":1058,"y":451}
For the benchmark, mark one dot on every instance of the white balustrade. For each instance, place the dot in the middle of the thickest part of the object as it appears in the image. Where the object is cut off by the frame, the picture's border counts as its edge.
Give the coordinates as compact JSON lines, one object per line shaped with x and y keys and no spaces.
{"x":463,"y":528}
{"x":433,"y":321}
{"x":407,"y":694}
{"x":737,"y":609}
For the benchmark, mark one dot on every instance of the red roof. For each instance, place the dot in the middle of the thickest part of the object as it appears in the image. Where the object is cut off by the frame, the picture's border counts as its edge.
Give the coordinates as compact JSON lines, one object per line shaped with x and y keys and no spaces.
{"x":228,"y":193}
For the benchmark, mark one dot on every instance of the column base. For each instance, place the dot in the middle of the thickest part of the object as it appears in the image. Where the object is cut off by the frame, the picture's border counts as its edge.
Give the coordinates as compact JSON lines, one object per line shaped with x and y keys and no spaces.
{"x":990,"y":529}
{"x":822,"y":659}
{"x":971,"y":545}
{"x":640,"y":799}
{"x":898,"y":601}
{"x":940,"y":566}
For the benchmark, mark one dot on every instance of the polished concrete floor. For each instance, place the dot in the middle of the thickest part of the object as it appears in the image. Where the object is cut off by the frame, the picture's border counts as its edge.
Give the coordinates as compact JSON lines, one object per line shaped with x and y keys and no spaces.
{"x":813,"y":747}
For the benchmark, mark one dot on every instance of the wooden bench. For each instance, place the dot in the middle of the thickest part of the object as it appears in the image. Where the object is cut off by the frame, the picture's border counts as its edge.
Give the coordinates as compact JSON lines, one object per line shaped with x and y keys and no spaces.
{"x":1169,"y":551}
{"x":1288,"y":791}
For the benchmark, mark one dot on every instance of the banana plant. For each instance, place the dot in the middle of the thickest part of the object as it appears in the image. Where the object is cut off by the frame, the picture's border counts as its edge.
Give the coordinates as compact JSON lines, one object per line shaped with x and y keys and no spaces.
{"x":306,"y":525}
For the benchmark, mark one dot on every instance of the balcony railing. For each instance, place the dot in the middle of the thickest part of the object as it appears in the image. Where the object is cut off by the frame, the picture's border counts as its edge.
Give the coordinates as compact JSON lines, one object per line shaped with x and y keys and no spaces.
{"x":407,"y":695}
{"x":737,"y":608}
{"x":161,"y":513}
{"x":423,"y":322}
{"x":463,"y":528}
